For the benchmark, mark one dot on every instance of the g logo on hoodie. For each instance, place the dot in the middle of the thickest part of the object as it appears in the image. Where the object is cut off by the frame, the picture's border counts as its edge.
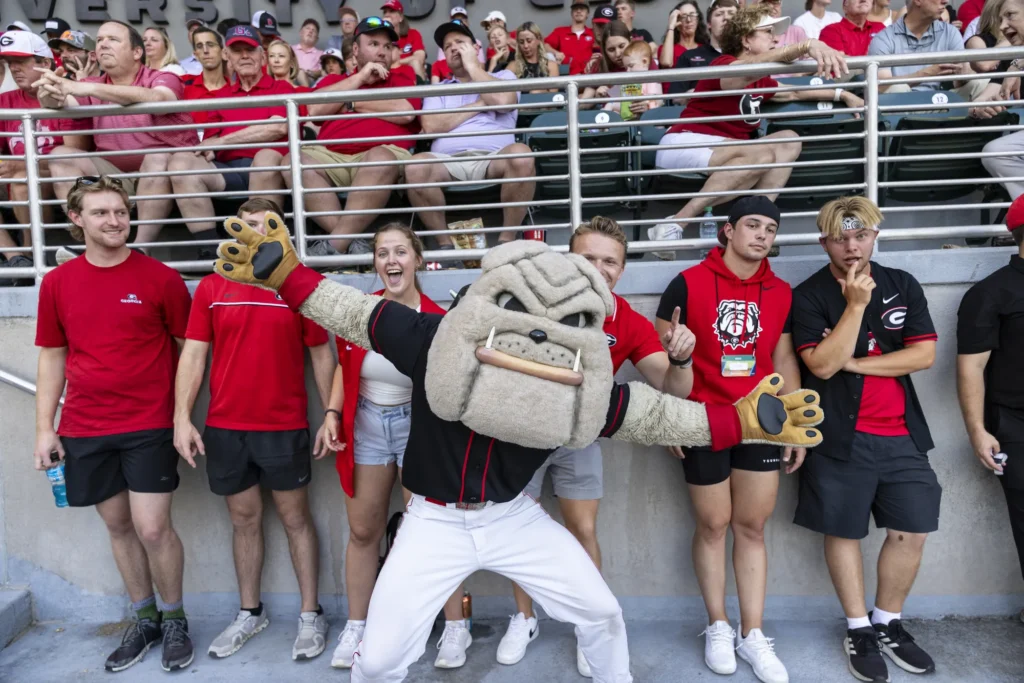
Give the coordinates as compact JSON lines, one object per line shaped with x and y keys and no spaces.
{"x":738,"y":323}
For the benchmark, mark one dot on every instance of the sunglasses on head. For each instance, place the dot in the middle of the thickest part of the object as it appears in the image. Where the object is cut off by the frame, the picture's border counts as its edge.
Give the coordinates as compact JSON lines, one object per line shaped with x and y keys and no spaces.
{"x":87,"y":180}
{"x":377,"y":22}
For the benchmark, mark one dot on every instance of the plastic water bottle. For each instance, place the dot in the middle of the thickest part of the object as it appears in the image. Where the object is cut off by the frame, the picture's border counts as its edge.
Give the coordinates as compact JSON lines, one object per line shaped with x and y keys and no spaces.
{"x":56,"y":476}
{"x":708,"y":230}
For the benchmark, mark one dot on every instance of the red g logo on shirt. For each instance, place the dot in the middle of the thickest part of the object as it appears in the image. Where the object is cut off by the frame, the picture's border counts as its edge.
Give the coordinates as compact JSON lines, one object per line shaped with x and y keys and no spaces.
{"x":407,"y":49}
{"x":738,"y":323}
{"x":894,"y":318}
{"x":612,"y":340}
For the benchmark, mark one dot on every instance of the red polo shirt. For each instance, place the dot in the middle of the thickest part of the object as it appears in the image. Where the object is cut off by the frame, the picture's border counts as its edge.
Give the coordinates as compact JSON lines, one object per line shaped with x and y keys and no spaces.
{"x":264,"y":87}
{"x":352,"y":130}
{"x":631,"y":336}
{"x":847,"y":38}
{"x":576,"y":48}
{"x":195,"y":89}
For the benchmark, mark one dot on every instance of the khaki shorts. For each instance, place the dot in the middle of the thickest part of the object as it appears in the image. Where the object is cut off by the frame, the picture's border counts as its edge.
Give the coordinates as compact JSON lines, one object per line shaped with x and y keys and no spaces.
{"x":341,"y":176}
{"x":104,"y":167}
{"x":472,"y":164}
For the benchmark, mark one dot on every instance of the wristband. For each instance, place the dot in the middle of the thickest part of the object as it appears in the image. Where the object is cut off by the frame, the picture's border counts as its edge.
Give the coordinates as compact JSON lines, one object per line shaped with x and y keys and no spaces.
{"x":838,"y":96}
{"x":681,"y":363}
{"x":332,"y":410}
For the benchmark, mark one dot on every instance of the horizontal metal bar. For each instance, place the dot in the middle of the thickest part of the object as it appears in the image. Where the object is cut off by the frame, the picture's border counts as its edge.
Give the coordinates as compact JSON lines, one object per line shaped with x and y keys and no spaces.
{"x":452,"y":207}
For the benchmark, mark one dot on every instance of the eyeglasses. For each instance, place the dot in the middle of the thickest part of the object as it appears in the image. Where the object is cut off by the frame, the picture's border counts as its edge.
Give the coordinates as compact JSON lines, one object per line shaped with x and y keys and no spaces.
{"x":689,"y":16}
{"x":87,"y":180}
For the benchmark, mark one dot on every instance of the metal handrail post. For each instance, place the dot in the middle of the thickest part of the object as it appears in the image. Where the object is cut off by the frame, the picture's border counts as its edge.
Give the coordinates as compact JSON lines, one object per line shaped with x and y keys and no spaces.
{"x":35,"y":208}
{"x":575,"y":192}
{"x":871,"y":133}
{"x":295,"y":154}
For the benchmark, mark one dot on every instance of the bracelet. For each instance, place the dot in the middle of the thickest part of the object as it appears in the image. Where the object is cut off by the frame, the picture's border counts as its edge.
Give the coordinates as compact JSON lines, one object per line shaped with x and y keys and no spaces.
{"x":682,"y":364}
{"x":838,"y":96}
{"x":332,"y":410}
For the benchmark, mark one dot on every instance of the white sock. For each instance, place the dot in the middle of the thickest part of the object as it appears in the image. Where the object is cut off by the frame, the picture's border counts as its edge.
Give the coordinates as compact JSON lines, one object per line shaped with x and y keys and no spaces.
{"x":458,"y":623}
{"x":880,"y":616}
{"x":356,"y":623}
{"x":857,"y":622}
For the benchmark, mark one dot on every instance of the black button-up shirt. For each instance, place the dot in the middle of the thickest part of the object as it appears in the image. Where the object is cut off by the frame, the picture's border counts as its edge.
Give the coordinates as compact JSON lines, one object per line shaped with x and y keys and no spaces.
{"x":897,"y":316}
{"x":991,"y":318}
{"x":447,"y":461}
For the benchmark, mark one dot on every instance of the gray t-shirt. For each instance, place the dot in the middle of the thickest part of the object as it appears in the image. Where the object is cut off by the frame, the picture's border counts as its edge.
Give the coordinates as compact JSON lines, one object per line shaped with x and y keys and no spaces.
{"x":897,"y":40}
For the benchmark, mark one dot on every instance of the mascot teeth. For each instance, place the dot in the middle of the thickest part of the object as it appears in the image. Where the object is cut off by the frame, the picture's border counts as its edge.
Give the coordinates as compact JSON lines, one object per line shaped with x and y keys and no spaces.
{"x":490,"y":339}
{"x":576,"y":363}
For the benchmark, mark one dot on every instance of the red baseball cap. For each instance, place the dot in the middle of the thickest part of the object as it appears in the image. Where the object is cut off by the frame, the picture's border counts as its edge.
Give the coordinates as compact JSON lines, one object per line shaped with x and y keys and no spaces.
{"x":1015,"y":214}
{"x":393,"y":5}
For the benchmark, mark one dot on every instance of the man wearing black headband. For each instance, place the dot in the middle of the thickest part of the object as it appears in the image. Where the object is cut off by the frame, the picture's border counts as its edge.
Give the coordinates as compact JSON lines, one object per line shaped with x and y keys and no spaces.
{"x":739,"y":311}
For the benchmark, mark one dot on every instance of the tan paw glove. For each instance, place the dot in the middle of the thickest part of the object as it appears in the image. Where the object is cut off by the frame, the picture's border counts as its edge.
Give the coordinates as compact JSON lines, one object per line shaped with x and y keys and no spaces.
{"x":262,"y":260}
{"x":782,"y":420}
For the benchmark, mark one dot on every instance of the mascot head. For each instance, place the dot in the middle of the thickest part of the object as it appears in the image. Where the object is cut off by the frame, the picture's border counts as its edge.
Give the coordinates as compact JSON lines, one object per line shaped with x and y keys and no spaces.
{"x":523,"y":356}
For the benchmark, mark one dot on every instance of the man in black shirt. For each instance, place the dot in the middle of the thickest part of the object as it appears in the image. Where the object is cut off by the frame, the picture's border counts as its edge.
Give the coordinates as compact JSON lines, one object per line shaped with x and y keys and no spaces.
{"x":719,"y":14}
{"x":989,"y":364}
{"x":626,"y":10}
{"x":496,"y":387}
{"x":861,"y":329}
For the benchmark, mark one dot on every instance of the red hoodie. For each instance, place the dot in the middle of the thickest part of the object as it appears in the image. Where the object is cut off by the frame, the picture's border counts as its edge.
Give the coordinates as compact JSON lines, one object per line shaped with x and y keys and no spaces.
{"x":729,"y":316}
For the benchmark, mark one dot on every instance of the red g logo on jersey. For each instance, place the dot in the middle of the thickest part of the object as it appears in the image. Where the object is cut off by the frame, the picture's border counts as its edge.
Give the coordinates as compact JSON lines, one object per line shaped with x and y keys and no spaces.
{"x":407,"y":49}
{"x":738,"y":323}
{"x":894,"y":318}
{"x":612,"y":340}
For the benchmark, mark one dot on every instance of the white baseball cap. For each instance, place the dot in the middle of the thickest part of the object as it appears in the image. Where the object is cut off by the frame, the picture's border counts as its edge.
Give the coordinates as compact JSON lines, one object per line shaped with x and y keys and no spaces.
{"x":457,"y":11}
{"x":492,"y":16}
{"x":17,"y":26}
{"x":778,"y":24}
{"x":24,"y":44}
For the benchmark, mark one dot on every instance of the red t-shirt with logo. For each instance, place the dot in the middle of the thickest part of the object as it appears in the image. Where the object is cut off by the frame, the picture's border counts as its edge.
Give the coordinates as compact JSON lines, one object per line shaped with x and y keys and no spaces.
{"x":353,"y":129}
{"x":19,"y":99}
{"x":257,"y":375}
{"x":411,"y":43}
{"x":265,"y":87}
{"x":576,"y":48}
{"x":725,"y":105}
{"x":630,"y":335}
{"x":119,"y":325}
{"x":883,"y":402}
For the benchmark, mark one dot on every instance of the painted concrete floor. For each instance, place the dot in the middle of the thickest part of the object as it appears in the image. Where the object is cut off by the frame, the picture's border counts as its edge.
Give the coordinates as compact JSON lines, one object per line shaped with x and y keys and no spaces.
{"x":966,"y":650}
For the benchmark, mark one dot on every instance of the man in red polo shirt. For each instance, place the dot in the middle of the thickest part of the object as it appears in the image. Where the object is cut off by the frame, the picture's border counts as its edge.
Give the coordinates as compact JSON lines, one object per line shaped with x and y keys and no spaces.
{"x":245,"y":58}
{"x":343,"y":143}
{"x":854,"y":32}
{"x":256,"y":432}
{"x":208,"y":49}
{"x":573,"y":44}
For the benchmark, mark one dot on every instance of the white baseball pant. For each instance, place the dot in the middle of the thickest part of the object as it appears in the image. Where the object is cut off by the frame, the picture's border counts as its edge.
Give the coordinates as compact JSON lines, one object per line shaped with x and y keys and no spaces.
{"x":438,"y":547}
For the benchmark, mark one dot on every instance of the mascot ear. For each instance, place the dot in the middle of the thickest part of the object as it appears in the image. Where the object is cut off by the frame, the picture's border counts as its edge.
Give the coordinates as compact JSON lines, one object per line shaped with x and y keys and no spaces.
{"x":458,"y":297}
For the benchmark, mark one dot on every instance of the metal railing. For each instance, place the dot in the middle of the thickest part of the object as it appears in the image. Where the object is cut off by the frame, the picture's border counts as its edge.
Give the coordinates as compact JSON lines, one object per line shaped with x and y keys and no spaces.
{"x":33,"y":196}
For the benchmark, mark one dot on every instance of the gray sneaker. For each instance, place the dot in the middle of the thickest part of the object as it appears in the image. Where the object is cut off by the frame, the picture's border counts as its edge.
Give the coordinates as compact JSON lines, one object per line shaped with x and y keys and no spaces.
{"x":244,"y":627}
{"x":312,"y":638}
{"x":19,"y":261}
{"x":324,"y":248}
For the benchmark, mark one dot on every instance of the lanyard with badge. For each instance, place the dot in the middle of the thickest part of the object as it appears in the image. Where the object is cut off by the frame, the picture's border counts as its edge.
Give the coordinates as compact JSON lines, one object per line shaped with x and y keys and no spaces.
{"x":739,"y":365}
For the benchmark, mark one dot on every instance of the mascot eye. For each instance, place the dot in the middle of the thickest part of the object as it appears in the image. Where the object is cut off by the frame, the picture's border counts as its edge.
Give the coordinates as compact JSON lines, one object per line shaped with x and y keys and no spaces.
{"x":575,"y":320}
{"x":510,"y":303}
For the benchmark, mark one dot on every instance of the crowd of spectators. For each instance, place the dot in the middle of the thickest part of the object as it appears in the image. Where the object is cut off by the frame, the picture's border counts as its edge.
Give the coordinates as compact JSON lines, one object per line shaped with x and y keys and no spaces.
{"x":68,"y":68}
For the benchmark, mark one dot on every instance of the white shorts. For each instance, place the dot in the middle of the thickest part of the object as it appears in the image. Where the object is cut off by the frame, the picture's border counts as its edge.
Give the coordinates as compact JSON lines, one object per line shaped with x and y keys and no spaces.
{"x":687,"y":158}
{"x":471,"y":165}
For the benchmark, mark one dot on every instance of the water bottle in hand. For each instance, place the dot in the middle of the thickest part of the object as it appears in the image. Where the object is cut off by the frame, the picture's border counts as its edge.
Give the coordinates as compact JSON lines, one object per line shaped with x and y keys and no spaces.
{"x":56,"y":476}
{"x":708,"y":230}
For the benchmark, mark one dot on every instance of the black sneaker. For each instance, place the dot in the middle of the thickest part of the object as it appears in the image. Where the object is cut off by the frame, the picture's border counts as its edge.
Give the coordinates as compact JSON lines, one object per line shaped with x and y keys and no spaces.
{"x":864,"y":658}
{"x":18,"y":261}
{"x":178,"y":651}
{"x":140,"y":636}
{"x":902,"y":650}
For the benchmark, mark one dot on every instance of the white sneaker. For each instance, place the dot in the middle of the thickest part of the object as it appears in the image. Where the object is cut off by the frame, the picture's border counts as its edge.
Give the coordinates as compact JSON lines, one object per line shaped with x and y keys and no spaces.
{"x":244,"y":627}
{"x":521,"y":632}
{"x":312,"y":637}
{"x":718,"y":648}
{"x":759,"y":652}
{"x":452,"y":645}
{"x":348,"y":641}
{"x":669,"y":230}
{"x":582,"y":665}
{"x":63,"y":256}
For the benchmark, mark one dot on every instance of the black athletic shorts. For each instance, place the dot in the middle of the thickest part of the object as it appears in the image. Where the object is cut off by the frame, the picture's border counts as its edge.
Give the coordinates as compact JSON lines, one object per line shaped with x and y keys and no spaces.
{"x":100,"y":467}
{"x":886,"y":476}
{"x":238,"y":460}
{"x":704,"y":467}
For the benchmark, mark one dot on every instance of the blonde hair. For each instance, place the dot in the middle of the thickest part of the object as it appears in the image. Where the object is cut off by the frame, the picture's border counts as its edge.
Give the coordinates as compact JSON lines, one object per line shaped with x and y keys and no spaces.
{"x":257,"y":204}
{"x":601,"y":225}
{"x":639,"y":47}
{"x":76,"y":200}
{"x":170,"y":56}
{"x":989,"y":21}
{"x":831,"y":216}
{"x":742,"y":24}
{"x":518,"y":65}
{"x":293,"y":61}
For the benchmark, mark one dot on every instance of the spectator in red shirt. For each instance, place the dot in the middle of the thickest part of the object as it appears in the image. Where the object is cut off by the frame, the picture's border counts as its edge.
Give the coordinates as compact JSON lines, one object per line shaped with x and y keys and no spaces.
{"x":409,"y":43}
{"x":283,"y":65}
{"x":686,"y":31}
{"x":126,"y":81}
{"x":110,"y":324}
{"x":749,"y":38}
{"x":573,"y":44}
{"x":24,"y":52}
{"x":854,"y":32}
{"x":969,"y":11}
{"x":343,"y":142}
{"x":208,"y":48}
{"x":246,"y":59}
{"x":246,"y":449}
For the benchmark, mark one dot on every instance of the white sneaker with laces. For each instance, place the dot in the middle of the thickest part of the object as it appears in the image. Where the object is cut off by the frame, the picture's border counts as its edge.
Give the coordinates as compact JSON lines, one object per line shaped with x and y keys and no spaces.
{"x":452,"y":645}
{"x":719,"y":654}
{"x":521,"y":632}
{"x":312,"y":638}
{"x":582,"y":665}
{"x":348,"y":641}
{"x":759,"y":652}
{"x":244,"y":627}
{"x":669,"y":230}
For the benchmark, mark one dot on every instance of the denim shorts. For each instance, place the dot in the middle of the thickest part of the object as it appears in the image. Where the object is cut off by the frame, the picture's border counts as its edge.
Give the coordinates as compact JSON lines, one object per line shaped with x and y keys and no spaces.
{"x":576,"y":474}
{"x":380,"y":433}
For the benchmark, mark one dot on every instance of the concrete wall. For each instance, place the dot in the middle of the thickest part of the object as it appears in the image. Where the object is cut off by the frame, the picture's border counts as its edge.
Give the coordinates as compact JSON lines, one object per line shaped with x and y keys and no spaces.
{"x":645,"y":525}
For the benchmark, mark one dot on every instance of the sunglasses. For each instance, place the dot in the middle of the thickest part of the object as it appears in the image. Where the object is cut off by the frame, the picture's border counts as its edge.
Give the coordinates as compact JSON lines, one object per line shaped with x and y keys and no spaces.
{"x":87,"y":180}
{"x":377,"y":22}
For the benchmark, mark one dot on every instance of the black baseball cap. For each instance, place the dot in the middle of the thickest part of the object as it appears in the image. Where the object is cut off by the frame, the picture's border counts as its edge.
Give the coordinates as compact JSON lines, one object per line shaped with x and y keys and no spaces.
{"x":374,"y":24}
{"x":55,"y":26}
{"x":456,"y":26}
{"x":604,"y":14}
{"x":266,"y":23}
{"x":579,"y":3}
{"x":754,"y":205}
{"x":243,"y":33}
